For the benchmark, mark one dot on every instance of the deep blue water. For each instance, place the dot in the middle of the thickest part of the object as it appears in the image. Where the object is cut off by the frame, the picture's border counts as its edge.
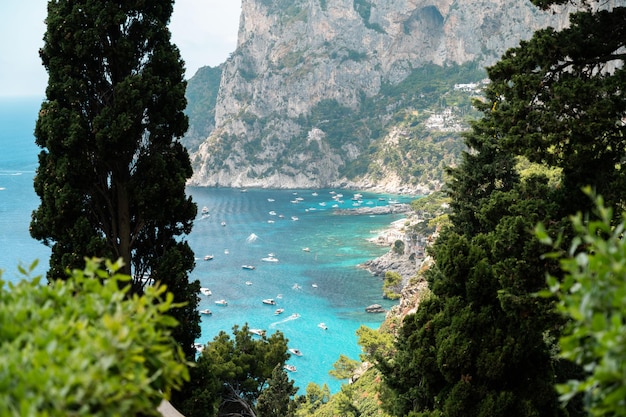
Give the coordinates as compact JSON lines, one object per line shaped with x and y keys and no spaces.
{"x":321,"y":285}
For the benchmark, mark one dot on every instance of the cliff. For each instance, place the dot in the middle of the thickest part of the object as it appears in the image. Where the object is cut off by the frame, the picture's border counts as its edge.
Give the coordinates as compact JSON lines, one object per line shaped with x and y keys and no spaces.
{"x":336,"y":93}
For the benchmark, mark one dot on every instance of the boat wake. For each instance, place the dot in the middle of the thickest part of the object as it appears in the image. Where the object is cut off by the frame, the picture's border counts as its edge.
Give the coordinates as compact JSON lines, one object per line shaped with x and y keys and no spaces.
{"x":294,"y":316}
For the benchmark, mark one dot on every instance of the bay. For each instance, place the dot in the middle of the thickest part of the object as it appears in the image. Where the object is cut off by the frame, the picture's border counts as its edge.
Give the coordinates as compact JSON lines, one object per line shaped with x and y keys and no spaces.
{"x":322,"y":284}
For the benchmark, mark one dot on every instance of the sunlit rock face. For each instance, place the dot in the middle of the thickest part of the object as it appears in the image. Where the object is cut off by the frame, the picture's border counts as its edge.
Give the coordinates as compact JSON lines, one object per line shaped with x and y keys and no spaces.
{"x":295,"y":56}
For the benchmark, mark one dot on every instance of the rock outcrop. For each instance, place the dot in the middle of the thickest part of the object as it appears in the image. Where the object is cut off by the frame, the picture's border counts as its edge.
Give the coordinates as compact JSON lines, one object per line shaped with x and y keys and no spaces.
{"x":302,"y":66}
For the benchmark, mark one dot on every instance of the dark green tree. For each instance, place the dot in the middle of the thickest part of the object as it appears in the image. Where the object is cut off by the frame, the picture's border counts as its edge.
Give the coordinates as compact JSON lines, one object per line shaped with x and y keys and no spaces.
{"x":277,"y":400}
{"x":482,"y":345}
{"x":231,"y":373}
{"x":112,"y":171}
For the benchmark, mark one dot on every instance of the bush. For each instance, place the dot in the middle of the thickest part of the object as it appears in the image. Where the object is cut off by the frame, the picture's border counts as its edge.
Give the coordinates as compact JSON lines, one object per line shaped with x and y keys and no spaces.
{"x":84,"y":347}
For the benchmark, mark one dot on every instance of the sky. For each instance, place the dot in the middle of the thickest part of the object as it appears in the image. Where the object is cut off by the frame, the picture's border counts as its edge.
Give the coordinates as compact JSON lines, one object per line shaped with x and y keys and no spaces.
{"x":205,"y":31}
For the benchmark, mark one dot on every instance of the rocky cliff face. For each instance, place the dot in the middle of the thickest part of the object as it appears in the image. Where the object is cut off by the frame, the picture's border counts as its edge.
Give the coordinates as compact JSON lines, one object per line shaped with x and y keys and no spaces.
{"x":304,"y":67}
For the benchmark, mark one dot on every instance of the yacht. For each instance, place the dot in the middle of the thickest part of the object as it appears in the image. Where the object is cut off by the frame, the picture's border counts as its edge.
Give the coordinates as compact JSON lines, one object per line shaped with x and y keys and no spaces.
{"x":322,"y":326}
{"x":269,"y":301}
{"x":206,"y":311}
{"x":208,"y":257}
{"x":279,"y":311}
{"x":205,"y":291}
{"x":269,"y":258}
{"x":258,"y":332}
{"x":290,"y":368}
{"x":250,"y":267}
{"x":296,"y":352}
{"x":221,"y":303}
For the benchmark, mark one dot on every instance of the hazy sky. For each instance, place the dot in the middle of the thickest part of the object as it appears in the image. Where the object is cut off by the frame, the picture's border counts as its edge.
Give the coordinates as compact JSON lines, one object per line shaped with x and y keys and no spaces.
{"x":205,"y":31}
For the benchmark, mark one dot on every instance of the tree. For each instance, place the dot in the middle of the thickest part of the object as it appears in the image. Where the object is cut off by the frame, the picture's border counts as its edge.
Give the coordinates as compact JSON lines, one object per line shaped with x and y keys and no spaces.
{"x":315,"y":397}
{"x":344,"y":367}
{"x":81,"y":347}
{"x":482,"y":344}
{"x":592,"y":296}
{"x":231,"y":374}
{"x":277,"y":399}
{"x":112,"y":171}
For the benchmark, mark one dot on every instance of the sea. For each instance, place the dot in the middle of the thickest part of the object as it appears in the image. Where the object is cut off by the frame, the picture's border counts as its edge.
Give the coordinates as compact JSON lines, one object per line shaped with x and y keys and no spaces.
{"x":298,"y":252}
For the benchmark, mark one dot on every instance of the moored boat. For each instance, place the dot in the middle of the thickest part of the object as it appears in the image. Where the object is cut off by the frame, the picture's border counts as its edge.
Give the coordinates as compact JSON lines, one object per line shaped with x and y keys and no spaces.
{"x":290,"y":368}
{"x":269,"y":301}
{"x":296,"y":352}
{"x":206,"y":311}
{"x":221,"y":302}
{"x":205,"y":291}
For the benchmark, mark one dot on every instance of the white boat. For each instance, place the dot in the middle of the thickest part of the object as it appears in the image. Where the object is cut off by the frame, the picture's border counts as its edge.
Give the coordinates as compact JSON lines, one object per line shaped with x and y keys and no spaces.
{"x":226,"y":251}
{"x":269,"y":301}
{"x":258,"y":332}
{"x":279,"y":311}
{"x":205,"y":210}
{"x":269,"y":259}
{"x":306,"y":250}
{"x":296,"y":352}
{"x":206,"y":311}
{"x":294,"y":316}
{"x":208,"y":257}
{"x":296,"y":287}
{"x":294,"y":218}
{"x":314,"y":194}
{"x":223,"y":223}
{"x":199,"y":347}
{"x":205,"y":291}
{"x":290,"y":368}
{"x":248,"y":282}
{"x":250,"y":267}
{"x":221,"y":302}
{"x":271,"y":221}
{"x":272,"y":213}
{"x":271,"y":200}
{"x":322,"y":326}
{"x":314,"y":285}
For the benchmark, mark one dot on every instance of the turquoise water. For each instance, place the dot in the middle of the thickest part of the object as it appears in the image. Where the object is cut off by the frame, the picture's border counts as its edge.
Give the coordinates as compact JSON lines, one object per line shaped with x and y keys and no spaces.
{"x":321,"y":285}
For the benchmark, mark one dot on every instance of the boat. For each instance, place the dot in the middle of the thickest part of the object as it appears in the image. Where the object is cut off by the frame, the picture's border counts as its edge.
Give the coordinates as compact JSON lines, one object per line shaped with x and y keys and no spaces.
{"x":248,"y":282}
{"x":296,"y":287}
{"x":205,"y":291}
{"x":199,"y":347}
{"x":250,"y":267}
{"x":206,"y":311}
{"x":270,"y":221}
{"x":226,"y":251}
{"x":294,"y":316}
{"x":314,"y":285}
{"x":322,"y":326}
{"x":271,"y":200}
{"x":205,"y":210}
{"x":272,"y":213}
{"x":208,"y":257}
{"x":221,"y":302}
{"x":290,"y":368}
{"x":258,"y":332}
{"x":296,"y":352}
{"x":306,"y":250}
{"x":269,"y":301}
{"x":314,"y":194}
{"x":269,"y":259}
{"x":279,"y":311}
{"x":294,"y":218}
{"x":223,"y":223}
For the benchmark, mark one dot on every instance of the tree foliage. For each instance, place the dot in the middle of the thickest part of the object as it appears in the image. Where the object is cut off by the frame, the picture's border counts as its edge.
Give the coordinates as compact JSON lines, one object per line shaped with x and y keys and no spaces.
{"x":231,"y":374}
{"x":482,"y":344}
{"x":592,"y":295}
{"x":112,"y":172}
{"x":81,"y":347}
{"x":276,"y":400}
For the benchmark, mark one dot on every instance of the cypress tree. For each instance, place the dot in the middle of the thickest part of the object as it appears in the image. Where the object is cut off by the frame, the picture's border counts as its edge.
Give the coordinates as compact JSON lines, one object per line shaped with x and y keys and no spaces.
{"x":112,"y":172}
{"x":483,"y":344}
